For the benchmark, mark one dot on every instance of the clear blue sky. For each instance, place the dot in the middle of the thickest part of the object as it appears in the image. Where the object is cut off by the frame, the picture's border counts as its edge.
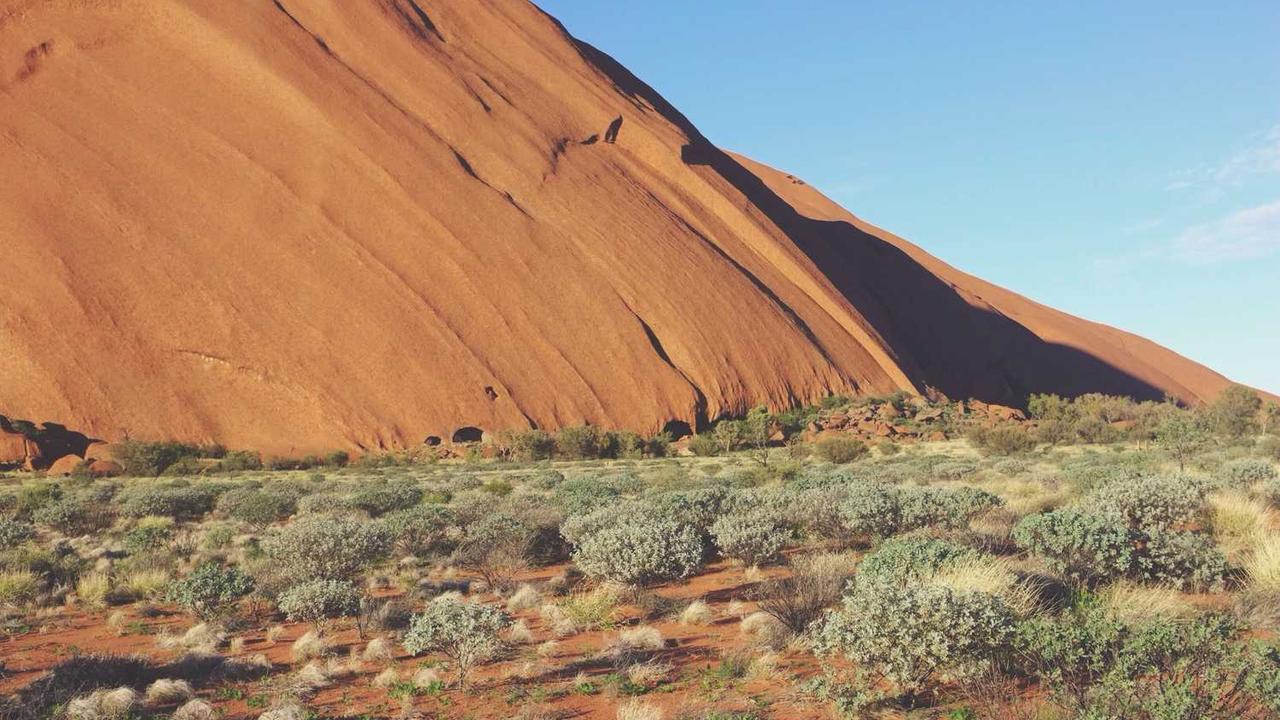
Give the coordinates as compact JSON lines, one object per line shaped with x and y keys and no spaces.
{"x":1120,"y":161}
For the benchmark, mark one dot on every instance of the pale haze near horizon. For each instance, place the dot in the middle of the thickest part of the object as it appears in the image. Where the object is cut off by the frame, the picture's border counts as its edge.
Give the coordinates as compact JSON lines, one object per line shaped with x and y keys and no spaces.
{"x":1121,"y":163}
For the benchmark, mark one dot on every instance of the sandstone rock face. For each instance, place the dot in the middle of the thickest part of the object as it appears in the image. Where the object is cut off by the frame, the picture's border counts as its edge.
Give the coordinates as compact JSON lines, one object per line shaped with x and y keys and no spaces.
{"x":14,"y":449}
{"x":295,"y":226}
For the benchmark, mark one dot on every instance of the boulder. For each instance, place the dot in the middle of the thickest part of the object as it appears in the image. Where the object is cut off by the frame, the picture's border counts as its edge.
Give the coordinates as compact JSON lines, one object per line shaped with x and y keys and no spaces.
{"x":64,"y":466}
{"x":105,"y":468}
{"x":102,"y":451}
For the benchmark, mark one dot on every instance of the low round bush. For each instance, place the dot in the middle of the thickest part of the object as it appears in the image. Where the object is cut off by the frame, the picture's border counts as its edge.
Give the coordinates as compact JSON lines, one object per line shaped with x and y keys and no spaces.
{"x":73,"y":516}
{"x":582,"y":495}
{"x":423,"y":530}
{"x":324,"y":503}
{"x":1151,"y":502}
{"x":840,"y":450}
{"x":1185,"y":560}
{"x":209,"y":589}
{"x":699,"y":507}
{"x":641,"y":551}
{"x":466,"y":633}
{"x":752,"y":538}
{"x":13,"y":533}
{"x":1247,"y":471}
{"x":322,"y":547}
{"x":1084,"y":547}
{"x":148,"y":535}
{"x":382,"y":499}
{"x":317,"y":600}
{"x":917,"y":635}
{"x":899,"y":561}
{"x":870,"y":509}
{"x":256,"y":507}
{"x":181,"y":502}
{"x":948,"y":508}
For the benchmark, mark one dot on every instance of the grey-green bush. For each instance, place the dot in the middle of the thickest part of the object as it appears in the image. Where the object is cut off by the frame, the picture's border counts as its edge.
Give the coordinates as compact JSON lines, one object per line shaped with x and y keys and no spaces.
{"x":466,"y":633}
{"x":321,"y":547}
{"x":1186,"y":560}
{"x":1152,"y":501}
{"x":13,"y":533}
{"x":900,"y":561}
{"x":916,"y":635}
{"x":752,"y":538}
{"x":256,"y":507}
{"x":1246,"y":471}
{"x":640,"y":551}
{"x":181,"y":502}
{"x":1083,"y":547}
{"x":317,"y":600}
{"x":381,"y":499}
{"x":423,"y":530}
{"x":209,"y":589}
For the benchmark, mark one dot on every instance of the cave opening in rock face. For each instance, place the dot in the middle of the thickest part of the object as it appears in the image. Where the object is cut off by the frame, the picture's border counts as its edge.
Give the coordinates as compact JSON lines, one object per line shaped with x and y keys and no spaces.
{"x":677,"y":429}
{"x":468,"y":434}
{"x":432,"y":441}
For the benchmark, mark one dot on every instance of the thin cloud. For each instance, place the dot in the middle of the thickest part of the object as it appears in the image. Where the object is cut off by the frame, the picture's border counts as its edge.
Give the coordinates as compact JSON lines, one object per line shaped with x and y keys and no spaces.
{"x":1260,"y":156}
{"x":1250,"y":233}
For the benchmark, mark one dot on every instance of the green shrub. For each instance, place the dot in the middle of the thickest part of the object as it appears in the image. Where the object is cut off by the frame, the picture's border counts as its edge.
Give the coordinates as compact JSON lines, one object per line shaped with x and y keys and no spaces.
{"x":18,"y":587}
{"x":870,"y":509}
{"x":527,"y":446}
{"x":752,"y":538}
{"x":152,"y":458}
{"x":237,"y":461}
{"x":381,"y":499}
{"x":900,"y":561}
{"x":256,"y":507}
{"x":324,"y":503}
{"x":1003,"y":439}
{"x":317,"y":600}
{"x":423,"y":530}
{"x":337,"y":459}
{"x":703,"y":445}
{"x":582,"y":442}
{"x":320,"y":547}
{"x":1100,"y":667}
{"x":33,"y":496}
{"x":839,"y":449}
{"x":497,"y":547}
{"x":1151,"y":502}
{"x":13,"y":533}
{"x":149,"y":535}
{"x":73,"y":516}
{"x":699,"y":507}
{"x":1083,"y":547}
{"x":916,"y":636}
{"x":1244,"y":472}
{"x":640,"y":551}
{"x":948,"y":508}
{"x":209,"y":589}
{"x":582,"y":495}
{"x":1185,"y":560}
{"x":466,"y":633}
{"x":181,"y":502}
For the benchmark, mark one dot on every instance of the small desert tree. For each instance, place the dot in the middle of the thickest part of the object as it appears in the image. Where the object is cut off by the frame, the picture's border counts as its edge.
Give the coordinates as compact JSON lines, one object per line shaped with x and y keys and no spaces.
{"x":1181,"y":434}
{"x":1234,"y":413}
{"x":466,"y":633}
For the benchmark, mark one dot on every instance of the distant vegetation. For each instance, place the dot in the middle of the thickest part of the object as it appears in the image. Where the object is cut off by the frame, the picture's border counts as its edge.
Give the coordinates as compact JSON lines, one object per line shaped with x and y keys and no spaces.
{"x":1097,"y":558}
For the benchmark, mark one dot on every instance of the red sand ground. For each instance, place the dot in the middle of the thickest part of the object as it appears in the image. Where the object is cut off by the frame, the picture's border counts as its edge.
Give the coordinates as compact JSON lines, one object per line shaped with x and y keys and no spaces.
{"x":308,"y":224}
{"x":498,"y":690}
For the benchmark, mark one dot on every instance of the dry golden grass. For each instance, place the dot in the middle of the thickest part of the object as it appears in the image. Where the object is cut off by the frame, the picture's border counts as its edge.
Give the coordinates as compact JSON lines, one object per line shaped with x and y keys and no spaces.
{"x":993,"y":576}
{"x":1137,"y":604}
{"x":1263,"y":564}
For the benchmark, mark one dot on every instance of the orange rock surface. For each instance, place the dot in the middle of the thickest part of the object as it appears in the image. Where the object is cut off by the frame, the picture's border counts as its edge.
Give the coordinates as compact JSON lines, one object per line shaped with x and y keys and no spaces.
{"x":295,"y":225}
